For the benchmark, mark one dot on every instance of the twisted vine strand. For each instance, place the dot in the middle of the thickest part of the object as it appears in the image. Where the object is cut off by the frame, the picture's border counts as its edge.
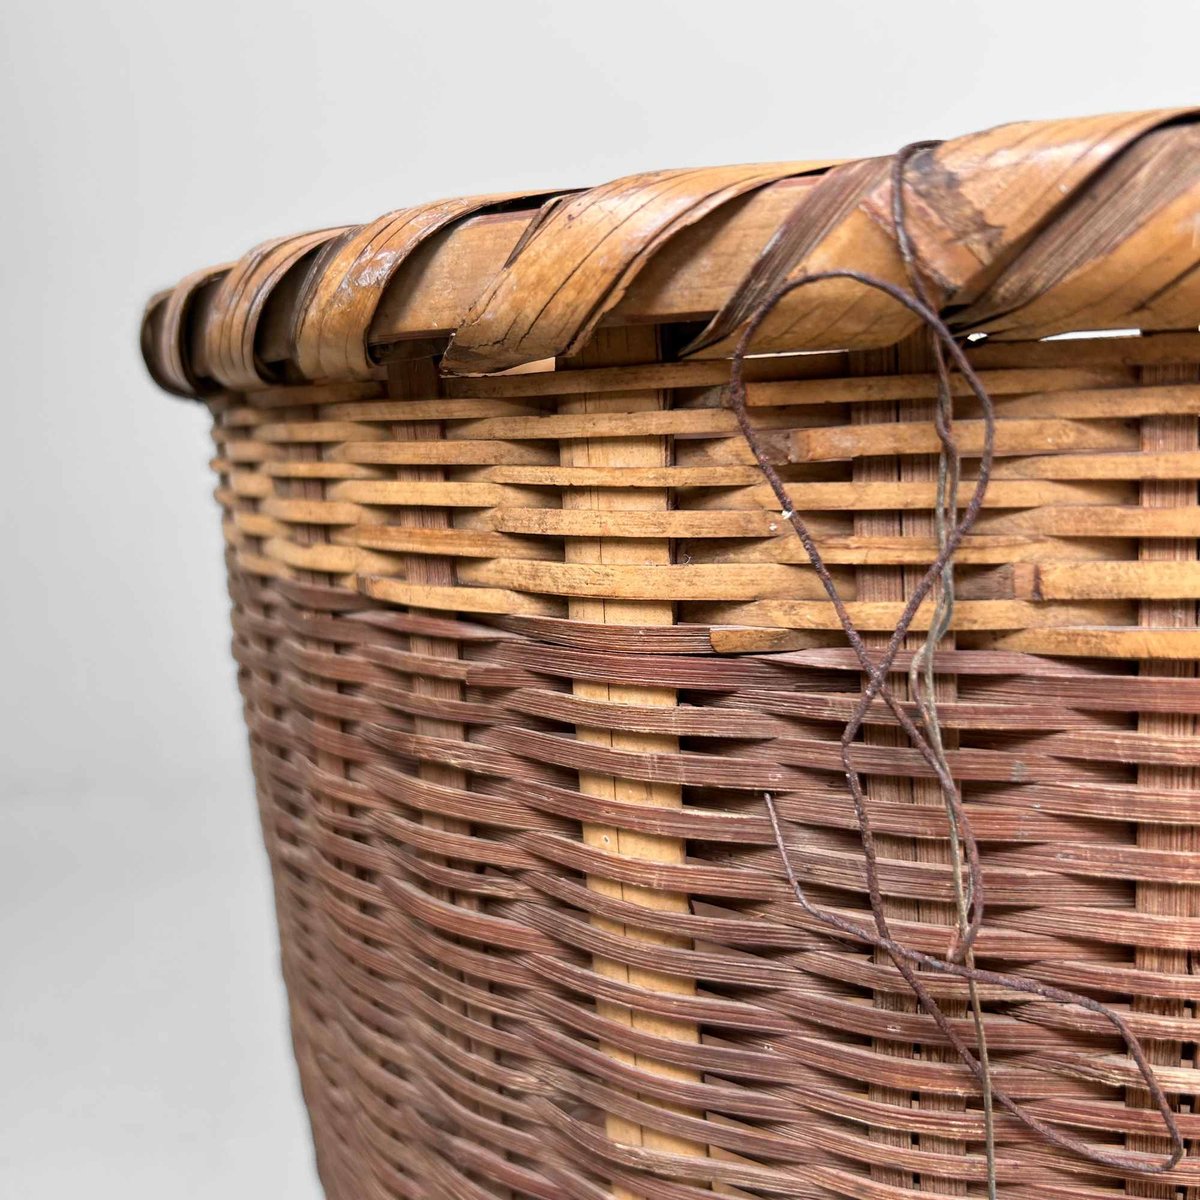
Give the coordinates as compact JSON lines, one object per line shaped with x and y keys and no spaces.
{"x":959,"y":961}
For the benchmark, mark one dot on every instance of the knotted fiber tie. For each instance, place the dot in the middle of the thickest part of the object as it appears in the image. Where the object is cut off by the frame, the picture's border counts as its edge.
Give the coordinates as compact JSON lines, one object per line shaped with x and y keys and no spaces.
{"x":925,"y":734}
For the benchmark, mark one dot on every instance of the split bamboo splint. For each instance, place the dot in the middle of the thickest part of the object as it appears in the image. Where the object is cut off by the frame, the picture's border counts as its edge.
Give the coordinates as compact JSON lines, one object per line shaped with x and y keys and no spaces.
{"x":524,"y":639}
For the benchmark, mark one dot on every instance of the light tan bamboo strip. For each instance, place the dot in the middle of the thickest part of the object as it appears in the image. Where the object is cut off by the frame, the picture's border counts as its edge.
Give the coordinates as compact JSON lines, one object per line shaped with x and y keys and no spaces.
{"x":314,"y":512}
{"x":1137,"y":465}
{"x":1098,"y":520}
{"x":316,"y":394}
{"x":975,"y":549}
{"x":626,"y":477}
{"x":858,"y":497}
{"x":1120,"y":403}
{"x":1002,"y":385}
{"x":318,"y":432}
{"x":764,"y":391}
{"x":258,"y":564}
{"x":444,"y":409}
{"x":1050,"y":436}
{"x":541,"y":381}
{"x":317,"y":470}
{"x":667,"y":422}
{"x":450,"y":542}
{"x":1064,"y":467}
{"x":664,"y":581}
{"x":673,"y":523}
{"x":255,"y":452}
{"x":430,"y":494}
{"x":881,"y":615}
{"x":447,"y":453}
{"x":254,"y":524}
{"x":1150,"y":580}
{"x":451,"y":598}
{"x":1032,"y":400}
{"x":326,"y":558}
{"x":1111,"y":642}
{"x":244,"y":484}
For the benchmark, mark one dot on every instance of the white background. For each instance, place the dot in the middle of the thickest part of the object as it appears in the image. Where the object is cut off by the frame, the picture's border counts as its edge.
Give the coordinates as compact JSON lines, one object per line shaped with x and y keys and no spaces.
{"x":143,"y":1042}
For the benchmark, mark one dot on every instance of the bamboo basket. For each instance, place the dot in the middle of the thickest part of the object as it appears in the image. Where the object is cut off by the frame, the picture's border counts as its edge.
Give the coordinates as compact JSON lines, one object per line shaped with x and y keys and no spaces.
{"x":532,"y":660}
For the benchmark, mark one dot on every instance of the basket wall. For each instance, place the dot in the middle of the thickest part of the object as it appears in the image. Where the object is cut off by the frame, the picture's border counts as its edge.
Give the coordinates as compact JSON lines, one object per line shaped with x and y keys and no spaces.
{"x":520,"y":657}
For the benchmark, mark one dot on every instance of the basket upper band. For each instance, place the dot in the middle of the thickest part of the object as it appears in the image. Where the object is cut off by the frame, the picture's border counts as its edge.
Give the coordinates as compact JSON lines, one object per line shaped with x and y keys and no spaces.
{"x":1022,"y":231}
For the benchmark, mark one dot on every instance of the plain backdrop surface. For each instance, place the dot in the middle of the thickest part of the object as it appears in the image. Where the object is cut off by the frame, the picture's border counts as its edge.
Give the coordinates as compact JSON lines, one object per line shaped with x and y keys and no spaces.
{"x":143,"y":1042}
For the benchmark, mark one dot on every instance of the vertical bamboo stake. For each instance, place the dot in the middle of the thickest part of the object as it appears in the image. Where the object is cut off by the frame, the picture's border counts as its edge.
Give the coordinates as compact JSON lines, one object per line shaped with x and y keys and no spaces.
{"x":344,"y":1121}
{"x":418,"y":379}
{"x":894,"y":584}
{"x":610,"y":348}
{"x":1166,"y":433}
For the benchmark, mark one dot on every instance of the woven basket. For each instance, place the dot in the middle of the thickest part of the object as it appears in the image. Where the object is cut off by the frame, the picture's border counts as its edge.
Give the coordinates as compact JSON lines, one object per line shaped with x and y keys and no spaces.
{"x":529,"y":649}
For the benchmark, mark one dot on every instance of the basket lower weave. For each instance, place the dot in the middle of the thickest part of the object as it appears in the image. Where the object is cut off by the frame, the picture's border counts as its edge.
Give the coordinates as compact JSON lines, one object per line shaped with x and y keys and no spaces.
{"x":520,"y":658}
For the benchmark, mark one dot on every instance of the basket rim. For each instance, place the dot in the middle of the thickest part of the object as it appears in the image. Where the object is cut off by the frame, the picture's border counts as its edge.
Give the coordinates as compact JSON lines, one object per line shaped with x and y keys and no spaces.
{"x":1022,"y":232}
